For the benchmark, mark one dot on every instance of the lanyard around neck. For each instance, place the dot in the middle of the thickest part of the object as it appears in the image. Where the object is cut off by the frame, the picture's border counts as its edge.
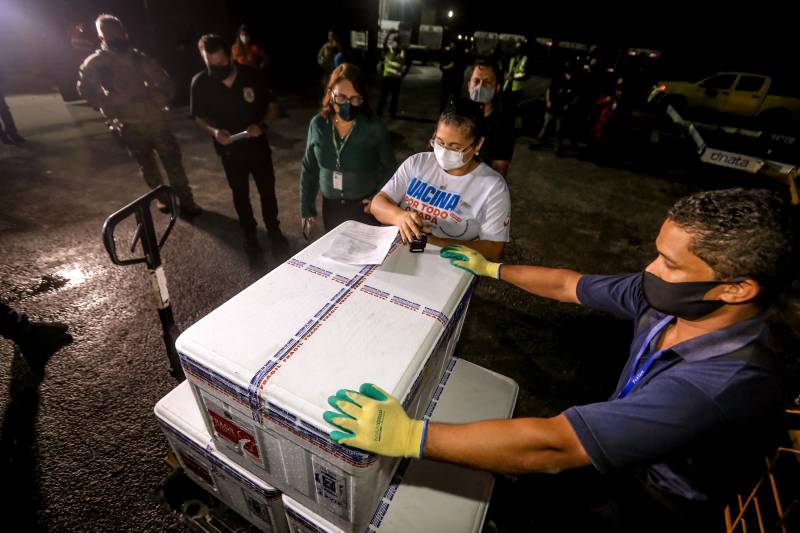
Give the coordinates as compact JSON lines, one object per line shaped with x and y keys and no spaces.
{"x":637,"y":375}
{"x":340,"y":147}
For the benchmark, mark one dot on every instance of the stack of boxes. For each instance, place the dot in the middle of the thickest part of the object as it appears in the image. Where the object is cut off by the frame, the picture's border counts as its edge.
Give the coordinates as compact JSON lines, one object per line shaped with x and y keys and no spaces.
{"x":248,"y":425}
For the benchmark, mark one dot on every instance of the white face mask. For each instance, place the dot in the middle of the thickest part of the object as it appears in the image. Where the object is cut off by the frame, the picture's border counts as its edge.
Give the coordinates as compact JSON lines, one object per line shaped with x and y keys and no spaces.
{"x":481,"y":94}
{"x":448,"y":159}
{"x":245,"y":38}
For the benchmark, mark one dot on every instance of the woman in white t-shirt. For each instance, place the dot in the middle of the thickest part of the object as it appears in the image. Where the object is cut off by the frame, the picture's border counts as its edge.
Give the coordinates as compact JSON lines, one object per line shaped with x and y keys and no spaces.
{"x":449,"y":194}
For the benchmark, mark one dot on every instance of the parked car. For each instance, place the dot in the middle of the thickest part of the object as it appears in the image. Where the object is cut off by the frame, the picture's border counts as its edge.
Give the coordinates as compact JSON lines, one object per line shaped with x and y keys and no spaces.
{"x":741,"y":94}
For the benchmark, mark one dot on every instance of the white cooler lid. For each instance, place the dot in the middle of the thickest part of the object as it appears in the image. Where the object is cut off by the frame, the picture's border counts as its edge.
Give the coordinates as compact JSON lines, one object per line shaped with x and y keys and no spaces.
{"x":313,"y":326}
{"x":179,"y":410}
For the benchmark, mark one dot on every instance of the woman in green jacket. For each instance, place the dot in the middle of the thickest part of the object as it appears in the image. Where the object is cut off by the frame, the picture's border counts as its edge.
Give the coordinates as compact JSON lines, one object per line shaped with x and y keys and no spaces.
{"x":348,"y":155}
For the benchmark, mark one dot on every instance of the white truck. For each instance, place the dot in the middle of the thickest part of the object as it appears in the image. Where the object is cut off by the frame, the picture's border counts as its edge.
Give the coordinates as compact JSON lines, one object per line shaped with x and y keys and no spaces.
{"x":733,"y":93}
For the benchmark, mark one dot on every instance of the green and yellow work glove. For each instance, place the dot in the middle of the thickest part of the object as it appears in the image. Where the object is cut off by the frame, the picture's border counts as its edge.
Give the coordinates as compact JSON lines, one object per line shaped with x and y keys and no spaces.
{"x":468,"y":259}
{"x":374,"y":421}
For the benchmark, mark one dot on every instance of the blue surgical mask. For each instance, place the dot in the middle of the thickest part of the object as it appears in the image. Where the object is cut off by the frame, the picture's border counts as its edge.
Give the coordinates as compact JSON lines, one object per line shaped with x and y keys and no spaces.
{"x":347,"y":111}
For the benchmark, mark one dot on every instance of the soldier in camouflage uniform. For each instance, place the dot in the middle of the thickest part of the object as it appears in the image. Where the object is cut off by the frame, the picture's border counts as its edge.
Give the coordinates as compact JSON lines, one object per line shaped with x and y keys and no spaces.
{"x":132,"y":92}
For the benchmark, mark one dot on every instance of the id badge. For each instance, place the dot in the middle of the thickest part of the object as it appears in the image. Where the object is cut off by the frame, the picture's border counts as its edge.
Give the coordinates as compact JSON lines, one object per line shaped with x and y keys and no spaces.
{"x":338,"y":180}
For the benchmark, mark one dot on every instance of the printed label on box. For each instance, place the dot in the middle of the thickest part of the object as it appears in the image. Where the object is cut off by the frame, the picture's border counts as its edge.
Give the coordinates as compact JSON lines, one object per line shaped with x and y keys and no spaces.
{"x":331,"y":486}
{"x":299,"y":524}
{"x":258,"y":508}
{"x":197,"y":469}
{"x":228,"y":430}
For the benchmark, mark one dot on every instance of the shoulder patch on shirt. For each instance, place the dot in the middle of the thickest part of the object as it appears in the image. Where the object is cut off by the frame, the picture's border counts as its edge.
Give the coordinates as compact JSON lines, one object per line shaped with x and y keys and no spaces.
{"x":249,"y":95}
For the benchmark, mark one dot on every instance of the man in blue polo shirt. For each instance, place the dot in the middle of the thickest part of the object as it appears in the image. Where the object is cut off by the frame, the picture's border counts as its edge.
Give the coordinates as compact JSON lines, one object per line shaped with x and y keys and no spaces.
{"x":699,"y":401}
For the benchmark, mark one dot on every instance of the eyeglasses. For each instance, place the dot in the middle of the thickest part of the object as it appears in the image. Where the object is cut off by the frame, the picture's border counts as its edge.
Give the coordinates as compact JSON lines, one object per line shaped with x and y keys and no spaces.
{"x":356,"y":100}
{"x":434,"y":144}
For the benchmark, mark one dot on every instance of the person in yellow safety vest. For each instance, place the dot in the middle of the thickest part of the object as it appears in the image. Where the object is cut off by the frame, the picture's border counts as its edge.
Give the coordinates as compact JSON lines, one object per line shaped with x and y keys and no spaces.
{"x":393,"y":65}
{"x":515,"y":79}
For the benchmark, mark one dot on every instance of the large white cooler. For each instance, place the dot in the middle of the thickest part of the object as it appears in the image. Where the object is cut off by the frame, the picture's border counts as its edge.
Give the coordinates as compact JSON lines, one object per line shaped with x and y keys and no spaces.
{"x":263,"y":364}
{"x":426,"y":496}
{"x":181,"y":420}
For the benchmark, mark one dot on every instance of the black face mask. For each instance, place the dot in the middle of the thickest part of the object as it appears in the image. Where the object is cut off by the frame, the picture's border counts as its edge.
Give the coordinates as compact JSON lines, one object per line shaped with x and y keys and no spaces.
{"x":118,"y":45}
{"x":219,"y":72}
{"x":683,"y":300}
{"x":348,"y":111}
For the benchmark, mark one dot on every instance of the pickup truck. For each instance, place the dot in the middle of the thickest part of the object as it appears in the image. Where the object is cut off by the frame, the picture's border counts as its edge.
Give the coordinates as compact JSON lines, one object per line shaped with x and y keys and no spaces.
{"x":732,"y":93}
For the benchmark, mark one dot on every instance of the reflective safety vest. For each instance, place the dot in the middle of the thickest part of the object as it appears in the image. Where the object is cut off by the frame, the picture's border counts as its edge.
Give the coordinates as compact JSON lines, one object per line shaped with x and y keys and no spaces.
{"x":516,"y":69}
{"x":392,"y":64}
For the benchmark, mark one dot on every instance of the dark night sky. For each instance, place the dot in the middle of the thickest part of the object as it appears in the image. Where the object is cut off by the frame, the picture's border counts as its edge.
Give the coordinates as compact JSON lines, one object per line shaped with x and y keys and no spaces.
{"x":761,"y":36}
{"x":758,"y":34}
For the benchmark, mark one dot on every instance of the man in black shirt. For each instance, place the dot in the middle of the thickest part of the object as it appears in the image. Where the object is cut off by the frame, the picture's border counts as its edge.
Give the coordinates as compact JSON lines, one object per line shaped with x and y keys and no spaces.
{"x":452,"y":74}
{"x":227,"y":99}
{"x":498,"y":128}
{"x":559,"y":100}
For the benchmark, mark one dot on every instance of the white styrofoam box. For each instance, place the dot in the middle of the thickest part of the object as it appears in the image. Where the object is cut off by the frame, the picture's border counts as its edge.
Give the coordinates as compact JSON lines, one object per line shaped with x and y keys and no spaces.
{"x":181,"y":420}
{"x":426,"y":496}
{"x":264,"y":363}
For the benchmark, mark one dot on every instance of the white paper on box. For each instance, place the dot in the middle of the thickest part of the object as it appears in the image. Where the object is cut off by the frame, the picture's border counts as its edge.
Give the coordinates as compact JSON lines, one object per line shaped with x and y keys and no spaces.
{"x":361,"y":244}
{"x":431,"y":497}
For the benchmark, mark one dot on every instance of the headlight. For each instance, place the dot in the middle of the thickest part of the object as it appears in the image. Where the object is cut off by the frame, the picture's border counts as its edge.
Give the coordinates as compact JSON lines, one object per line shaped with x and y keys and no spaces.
{"x":656,"y":91}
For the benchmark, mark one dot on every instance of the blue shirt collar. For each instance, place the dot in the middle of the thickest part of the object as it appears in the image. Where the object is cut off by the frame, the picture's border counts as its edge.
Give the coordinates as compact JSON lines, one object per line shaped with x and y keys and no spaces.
{"x":722,"y":341}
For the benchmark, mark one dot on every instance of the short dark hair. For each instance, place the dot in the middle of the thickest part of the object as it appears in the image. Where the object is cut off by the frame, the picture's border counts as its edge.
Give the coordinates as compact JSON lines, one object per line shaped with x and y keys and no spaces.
{"x":105,"y":21}
{"x":211,"y":43}
{"x":483,"y":63}
{"x":743,"y":233}
{"x":464,"y":113}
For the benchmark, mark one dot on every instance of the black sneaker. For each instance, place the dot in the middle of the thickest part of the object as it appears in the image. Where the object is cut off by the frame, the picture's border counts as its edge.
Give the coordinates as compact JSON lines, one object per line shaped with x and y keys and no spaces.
{"x":40,"y":341}
{"x":5,"y":138}
{"x":16,"y":138}
{"x":278,"y":243}
{"x":189,"y":209}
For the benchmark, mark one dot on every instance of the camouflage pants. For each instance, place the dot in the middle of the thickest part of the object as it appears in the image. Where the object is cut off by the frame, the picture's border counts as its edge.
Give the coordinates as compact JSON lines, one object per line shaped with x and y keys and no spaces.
{"x":143,"y":142}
